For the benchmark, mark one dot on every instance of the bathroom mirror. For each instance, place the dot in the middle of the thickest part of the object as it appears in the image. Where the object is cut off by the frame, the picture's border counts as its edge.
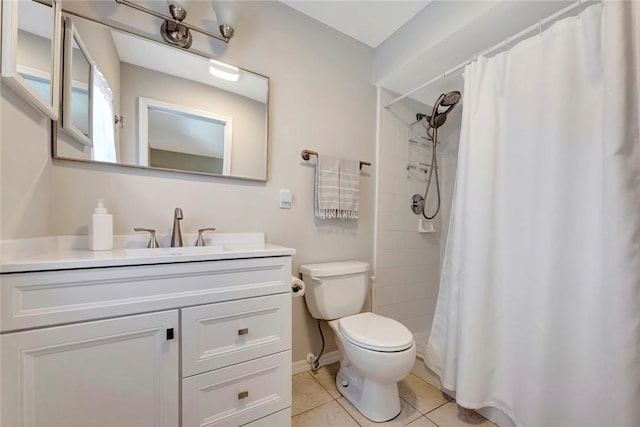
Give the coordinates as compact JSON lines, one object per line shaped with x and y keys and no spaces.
{"x":157,"y":106}
{"x":31,"y":51}
{"x":77,"y":96}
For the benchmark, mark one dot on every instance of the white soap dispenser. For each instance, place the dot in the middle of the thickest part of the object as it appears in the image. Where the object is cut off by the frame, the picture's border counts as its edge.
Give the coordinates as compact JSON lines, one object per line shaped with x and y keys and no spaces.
{"x":101,"y":229}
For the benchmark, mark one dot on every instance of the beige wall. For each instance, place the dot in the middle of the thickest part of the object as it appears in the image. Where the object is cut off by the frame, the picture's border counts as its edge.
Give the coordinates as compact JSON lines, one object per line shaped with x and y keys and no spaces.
{"x":321,"y":98}
{"x":249,"y":118}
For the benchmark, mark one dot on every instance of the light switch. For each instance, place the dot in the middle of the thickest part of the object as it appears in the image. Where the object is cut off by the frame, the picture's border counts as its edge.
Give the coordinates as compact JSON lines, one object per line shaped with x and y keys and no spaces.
{"x":285,"y":199}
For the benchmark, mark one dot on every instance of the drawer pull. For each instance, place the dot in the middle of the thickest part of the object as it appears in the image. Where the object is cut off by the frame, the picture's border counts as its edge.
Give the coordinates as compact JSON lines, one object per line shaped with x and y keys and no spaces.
{"x":243,"y":395}
{"x":243,"y":331}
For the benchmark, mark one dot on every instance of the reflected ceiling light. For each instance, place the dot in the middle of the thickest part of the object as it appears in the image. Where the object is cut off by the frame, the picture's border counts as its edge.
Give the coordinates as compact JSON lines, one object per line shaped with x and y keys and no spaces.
{"x":176,"y":32}
{"x":224,"y":71}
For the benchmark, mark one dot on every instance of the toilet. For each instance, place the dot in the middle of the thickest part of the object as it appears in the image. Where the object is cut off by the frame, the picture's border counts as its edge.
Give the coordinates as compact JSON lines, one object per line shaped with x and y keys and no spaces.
{"x":375,"y":352}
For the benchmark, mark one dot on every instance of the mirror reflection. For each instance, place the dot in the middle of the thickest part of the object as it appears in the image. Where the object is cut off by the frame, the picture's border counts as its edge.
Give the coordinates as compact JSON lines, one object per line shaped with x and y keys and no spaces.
{"x":162,"y":107}
{"x":35,"y":46}
{"x":80,"y":89}
{"x":77,"y":85}
{"x":182,"y":138}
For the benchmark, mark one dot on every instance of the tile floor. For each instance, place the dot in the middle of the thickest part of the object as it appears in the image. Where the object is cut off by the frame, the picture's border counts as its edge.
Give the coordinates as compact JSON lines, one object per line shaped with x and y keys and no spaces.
{"x":317,"y":403}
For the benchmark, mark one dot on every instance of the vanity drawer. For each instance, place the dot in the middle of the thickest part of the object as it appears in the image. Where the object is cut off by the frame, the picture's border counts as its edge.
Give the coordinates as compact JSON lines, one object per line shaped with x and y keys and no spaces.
{"x":279,"y":419}
{"x":35,"y":299}
{"x":222,"y":334}
{"x":237,"y":394}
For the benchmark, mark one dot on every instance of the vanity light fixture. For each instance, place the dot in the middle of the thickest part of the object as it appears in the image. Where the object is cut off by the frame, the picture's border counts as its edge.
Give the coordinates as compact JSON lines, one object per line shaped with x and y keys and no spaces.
{"x":176,"y":32}
{"x":224,"y":71}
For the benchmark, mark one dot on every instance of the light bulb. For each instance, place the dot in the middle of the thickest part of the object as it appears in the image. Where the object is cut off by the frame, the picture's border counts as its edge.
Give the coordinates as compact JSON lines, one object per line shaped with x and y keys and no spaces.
{"x":224,"y":71}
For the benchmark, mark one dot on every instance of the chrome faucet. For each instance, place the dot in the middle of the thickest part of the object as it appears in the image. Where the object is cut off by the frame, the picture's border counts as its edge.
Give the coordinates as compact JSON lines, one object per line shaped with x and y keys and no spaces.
{"x":176,"y":233}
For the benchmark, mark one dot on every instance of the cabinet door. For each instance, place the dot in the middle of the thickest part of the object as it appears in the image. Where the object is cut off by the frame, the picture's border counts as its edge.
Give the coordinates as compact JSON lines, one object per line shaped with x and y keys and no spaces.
{"x":111,"y":373}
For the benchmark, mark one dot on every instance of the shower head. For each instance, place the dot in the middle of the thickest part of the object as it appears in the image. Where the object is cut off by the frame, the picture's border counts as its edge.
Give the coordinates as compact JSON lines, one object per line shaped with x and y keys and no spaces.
{"x":443,"y":106}
{"x":450,"y":99}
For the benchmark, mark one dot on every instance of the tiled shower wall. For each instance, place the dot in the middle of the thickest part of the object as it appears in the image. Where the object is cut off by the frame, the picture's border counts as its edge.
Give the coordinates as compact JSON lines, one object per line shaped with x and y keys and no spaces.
{"x":407,"y":262}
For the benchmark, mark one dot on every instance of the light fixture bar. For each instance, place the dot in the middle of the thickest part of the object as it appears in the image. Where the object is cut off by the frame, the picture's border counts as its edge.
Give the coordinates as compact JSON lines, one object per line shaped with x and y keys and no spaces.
{"x":169,"y":18}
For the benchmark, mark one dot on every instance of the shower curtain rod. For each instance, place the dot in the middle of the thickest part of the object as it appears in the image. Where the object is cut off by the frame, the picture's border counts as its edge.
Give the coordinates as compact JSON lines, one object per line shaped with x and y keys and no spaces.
{"x":576,"y":5}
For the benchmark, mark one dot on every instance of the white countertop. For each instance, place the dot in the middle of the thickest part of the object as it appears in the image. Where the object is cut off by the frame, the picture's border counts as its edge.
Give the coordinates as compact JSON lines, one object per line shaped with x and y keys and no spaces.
{"x":67,"y":252}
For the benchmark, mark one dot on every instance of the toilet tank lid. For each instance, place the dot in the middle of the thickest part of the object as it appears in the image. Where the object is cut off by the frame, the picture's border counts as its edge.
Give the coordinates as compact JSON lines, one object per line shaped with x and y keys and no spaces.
{"x":328,"y":269}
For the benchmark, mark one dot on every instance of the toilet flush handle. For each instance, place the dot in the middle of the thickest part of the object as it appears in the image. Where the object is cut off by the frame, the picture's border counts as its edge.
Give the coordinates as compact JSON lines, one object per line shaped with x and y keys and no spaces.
{"x":317,"y":279}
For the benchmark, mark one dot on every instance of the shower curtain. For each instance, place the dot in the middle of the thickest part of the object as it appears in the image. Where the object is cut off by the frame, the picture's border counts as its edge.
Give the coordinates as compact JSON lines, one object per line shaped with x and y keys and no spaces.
{"x":538,"y":313}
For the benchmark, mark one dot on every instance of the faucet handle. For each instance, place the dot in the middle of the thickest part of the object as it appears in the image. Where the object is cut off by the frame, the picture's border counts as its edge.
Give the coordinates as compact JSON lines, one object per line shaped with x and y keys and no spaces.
{"x":200,"y":241}
{"x":153,"y":243}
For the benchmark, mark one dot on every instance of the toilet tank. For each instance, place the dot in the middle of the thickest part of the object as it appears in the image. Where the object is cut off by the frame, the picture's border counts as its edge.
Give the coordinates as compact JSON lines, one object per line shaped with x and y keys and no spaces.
{"x":335,"y":289}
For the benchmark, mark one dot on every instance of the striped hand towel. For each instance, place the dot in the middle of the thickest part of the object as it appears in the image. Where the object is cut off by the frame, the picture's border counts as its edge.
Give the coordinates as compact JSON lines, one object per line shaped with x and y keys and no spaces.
{"x":349,"y":188}
{"x":327,"y":194}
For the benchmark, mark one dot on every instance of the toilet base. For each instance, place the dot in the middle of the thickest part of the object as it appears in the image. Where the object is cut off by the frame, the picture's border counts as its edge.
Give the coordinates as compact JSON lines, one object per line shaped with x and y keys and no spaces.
{"x":376,"y":401}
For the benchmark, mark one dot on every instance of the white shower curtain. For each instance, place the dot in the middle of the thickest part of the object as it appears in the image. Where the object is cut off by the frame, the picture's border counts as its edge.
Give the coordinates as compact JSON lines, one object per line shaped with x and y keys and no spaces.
{"x":539,"y":306}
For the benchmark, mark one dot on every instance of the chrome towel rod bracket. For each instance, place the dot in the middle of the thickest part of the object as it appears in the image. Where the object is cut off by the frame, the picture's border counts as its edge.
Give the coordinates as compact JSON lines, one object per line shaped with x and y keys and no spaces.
{"x":306,"y":155}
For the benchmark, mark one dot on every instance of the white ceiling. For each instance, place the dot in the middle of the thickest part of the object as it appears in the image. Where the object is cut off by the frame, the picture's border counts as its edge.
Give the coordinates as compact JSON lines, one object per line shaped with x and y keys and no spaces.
{"x":415,"y":41}
{"x":370,"y":22}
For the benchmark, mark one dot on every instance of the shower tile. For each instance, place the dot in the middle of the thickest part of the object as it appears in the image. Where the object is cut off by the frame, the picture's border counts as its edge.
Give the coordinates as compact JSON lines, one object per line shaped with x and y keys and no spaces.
{"x":385,"y":258}
{"x":409,"y":309}
{"x":419,"y":323}
{"x":385,"y":202}
{"x":404,"y":221}
{"x":407,"y":414}
{"x":385,"y":221}
{"x":421,"y":395}
{"x":307,"y":393}
{"x":328,"y":415}
{"x":401,"y":203}
{"x":386,"y":184}
{"x":385,"y":277}
{"x":402,"y":257}
{"x":385,"y":240}
{"x":392,"y":311}
{"x":401,"y":275}
{"x":401,"y":293}
{"x":452,"y":415}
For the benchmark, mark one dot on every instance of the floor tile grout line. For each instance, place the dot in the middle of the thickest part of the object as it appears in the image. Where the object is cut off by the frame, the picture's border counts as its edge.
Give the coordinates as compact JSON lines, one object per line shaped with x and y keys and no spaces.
{"x":323,"y":387}
{"x":422,"y":415}
{"x":311,"y":409}
{"x":436,"y":408}
{"x":348,"y":413}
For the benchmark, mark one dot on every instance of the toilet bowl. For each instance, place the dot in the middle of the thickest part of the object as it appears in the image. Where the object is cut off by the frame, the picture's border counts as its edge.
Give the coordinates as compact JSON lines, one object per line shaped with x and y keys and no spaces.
{"x":375,"y":352}
{"x":371,"y":366}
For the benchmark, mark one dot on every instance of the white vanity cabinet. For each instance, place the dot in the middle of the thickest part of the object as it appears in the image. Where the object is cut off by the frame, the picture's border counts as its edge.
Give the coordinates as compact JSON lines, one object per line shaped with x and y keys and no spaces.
{"x":118,"y":373}
{"x":188,"y":344}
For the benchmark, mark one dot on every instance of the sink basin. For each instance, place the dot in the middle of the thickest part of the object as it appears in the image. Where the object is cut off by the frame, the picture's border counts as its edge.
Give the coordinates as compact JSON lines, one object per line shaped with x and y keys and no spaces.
{"x":187,"y":250}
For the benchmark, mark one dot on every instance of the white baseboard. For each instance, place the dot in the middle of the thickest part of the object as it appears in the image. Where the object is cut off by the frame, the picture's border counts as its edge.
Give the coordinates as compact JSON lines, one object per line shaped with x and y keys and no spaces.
{"x":326,"y":359}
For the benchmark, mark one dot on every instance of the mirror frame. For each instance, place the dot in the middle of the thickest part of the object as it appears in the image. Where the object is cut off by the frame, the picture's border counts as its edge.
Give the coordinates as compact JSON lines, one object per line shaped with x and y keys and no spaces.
{"x":71,"y":35}
{"x":10,"y":75}
{"x":55,"y":128}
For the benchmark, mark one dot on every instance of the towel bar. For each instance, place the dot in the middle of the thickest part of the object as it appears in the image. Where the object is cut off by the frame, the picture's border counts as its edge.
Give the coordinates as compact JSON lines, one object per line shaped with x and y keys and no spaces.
{"x":306,"y":155}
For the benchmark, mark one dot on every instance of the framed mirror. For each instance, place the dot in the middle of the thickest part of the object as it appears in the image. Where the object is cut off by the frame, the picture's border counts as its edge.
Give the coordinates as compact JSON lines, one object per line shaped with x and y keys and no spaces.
{"x":31,"y":51}
{"x":161,"y":107}
{"x":78,"y":86}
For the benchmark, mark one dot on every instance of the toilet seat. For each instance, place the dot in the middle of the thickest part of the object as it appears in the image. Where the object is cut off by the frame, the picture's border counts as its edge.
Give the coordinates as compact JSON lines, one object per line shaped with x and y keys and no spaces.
{"x":374,"y":332}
